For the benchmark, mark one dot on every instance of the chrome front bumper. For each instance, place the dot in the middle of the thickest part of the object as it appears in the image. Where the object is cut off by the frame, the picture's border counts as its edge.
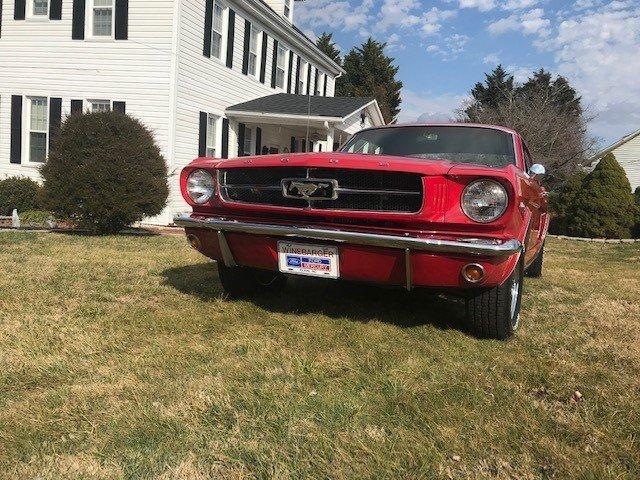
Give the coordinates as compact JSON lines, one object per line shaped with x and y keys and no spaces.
{"x":467,"y":246}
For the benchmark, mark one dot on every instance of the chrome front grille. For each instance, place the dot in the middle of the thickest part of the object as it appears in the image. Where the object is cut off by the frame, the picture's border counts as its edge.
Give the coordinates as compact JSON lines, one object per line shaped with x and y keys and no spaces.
{"x":355,"y":190}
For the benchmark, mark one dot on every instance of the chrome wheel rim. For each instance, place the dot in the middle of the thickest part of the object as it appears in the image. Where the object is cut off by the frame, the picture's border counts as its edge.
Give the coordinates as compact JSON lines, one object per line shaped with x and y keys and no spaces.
{"x":515,"y":289}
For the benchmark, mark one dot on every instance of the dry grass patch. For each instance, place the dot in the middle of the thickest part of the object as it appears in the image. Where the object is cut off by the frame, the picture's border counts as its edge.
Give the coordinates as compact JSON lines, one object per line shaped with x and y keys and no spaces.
{"x":121,"y":359}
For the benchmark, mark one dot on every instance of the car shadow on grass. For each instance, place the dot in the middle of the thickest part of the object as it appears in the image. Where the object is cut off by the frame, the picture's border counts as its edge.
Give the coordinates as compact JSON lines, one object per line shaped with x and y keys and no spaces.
{"x":334,"y":299}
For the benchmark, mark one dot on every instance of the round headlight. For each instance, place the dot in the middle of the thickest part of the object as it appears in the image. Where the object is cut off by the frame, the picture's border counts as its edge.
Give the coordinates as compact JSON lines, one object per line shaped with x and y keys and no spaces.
{"x":200,"y":186}
{"x":484,"y":201}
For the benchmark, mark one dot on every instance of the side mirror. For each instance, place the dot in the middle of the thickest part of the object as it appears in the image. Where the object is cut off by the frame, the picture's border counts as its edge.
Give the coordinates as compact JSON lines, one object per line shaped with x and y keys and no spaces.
{"x":537,"y":170}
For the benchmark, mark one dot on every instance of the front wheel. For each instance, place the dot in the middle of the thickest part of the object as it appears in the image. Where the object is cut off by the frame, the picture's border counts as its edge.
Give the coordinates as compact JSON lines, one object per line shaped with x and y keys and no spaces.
{"x":495,"y":312}
{"x":245,"y":281}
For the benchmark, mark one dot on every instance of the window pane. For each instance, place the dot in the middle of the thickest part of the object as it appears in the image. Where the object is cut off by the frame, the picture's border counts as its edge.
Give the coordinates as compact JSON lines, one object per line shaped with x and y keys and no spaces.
{"x":37,"y":147}
{"x":211,"y":135}
{"x":217,"y":18}
{"x":102,"y":21}
{"x":101,"y":106}
{"x":279,"y":78}
{"x":281,"y":55}
{"x":248,"y":137}
{"x":216,"y":44}
{"x":252,"y":64}
{"x":103,"y":3}
{"x":41,"y":7}
{"x":253,"y":44}
{"x":39,"y":114}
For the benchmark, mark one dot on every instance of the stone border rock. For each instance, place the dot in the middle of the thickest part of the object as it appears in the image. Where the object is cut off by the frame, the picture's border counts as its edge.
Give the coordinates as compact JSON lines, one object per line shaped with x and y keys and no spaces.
{"x":597,"y":240}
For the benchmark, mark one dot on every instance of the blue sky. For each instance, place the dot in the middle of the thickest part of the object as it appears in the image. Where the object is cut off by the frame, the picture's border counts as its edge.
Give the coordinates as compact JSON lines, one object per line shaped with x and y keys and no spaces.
{"x":444,"y":46}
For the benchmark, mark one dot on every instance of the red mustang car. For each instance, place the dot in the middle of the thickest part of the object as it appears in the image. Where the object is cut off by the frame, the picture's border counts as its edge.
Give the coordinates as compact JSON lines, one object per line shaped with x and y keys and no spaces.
{"x":457,"y":208}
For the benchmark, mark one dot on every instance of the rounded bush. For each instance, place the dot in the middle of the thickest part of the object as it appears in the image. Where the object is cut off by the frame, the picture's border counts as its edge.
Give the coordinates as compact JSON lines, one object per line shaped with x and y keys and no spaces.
{"x":18,"y":193}
{"x":604,"y":207}
{"x":104,"y":173}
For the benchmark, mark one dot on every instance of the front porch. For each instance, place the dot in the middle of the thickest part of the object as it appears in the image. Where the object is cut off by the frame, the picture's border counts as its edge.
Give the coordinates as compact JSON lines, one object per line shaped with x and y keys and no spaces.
{"x":286,"y":123}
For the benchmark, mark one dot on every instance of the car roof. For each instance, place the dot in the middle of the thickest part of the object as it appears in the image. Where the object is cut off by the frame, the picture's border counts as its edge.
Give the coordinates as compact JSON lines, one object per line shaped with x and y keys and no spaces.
{"x":446,"y":124}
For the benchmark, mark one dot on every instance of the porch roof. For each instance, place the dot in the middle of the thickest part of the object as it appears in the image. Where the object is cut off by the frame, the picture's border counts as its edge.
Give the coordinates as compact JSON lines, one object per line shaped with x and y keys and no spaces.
{"x":330,"y":109}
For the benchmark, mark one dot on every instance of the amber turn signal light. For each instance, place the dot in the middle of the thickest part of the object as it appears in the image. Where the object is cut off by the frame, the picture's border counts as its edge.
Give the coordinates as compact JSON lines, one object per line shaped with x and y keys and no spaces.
{"x":195,"y":242}
{"x":473,"y":273}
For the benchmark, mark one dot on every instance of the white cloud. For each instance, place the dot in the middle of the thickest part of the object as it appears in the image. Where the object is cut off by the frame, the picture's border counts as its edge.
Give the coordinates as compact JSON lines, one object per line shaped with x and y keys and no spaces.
{"x":319,"y":14}
{"x":491,"y":59}
{"x":520,"y":73}
{"x":597,"y":51}
{"x":519,"y":4}
{"x":394,"y":43}
{"x":482,"y":5}
{"x":427,"y":107}
{"x":531,"y":22}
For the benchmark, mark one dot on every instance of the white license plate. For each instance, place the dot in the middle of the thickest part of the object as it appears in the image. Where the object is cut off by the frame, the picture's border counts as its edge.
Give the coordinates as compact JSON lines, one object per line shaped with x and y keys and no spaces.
{"x":310,"y":260}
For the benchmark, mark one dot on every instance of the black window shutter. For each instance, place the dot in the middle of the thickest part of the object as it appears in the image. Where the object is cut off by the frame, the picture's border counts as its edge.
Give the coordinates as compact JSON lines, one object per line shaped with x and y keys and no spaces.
{"x":258,"y":140}
{"x":274,"y":63}
{"x":289,"y":72}
{"x":245,"y":54}
{"x":225,"y":138}
{"x":77,"y":28}
{"x":76,"y":107}
{"x":16,"y":129}
{"x":303,"y":145}
{"x":19,"y":10}
{"x":309,"y":67}
{"x":202,"y":135}
{"x":208,"y":28}
{"x":122,"y":19}
{"x":55,"y":119}
{"x":316,"y":85}
{"x":297,"y":87}
{"x":311,"y":146}
{"x":55,"y":10}
{"x":263,"y":60}
{"x":293,"y":144}
{"x":241,"y":133}
{"x":231,"y":35}
{"x":325,"y":84}
{"x":120,"y":107}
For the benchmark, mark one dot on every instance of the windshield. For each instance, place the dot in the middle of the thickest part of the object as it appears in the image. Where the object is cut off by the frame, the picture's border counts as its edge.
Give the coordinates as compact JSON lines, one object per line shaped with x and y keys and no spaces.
{"x":481,"y":146}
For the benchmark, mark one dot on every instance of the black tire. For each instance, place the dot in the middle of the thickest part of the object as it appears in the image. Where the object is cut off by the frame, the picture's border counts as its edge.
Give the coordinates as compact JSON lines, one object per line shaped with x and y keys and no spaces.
{"x":535,"y":269}
{"x":244,"y":281}
{"x":494,"y":312}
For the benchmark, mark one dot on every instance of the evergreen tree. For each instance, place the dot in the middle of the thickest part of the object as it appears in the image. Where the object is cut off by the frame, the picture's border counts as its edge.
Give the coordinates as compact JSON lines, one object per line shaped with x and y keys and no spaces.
{"x":370,"y":73}
{"x":558,"y":92}
{"x":560,"y":202}
{"x":328,"y":46}
{"x":497,"y":87}
{"x":604,"y":206}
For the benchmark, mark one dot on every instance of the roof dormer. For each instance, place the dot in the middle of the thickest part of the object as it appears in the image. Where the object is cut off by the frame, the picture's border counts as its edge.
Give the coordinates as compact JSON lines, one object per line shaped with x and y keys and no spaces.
{"x":282,"y":7}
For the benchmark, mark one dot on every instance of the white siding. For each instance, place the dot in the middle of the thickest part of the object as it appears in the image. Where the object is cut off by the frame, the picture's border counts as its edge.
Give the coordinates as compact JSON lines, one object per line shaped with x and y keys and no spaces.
{"x":40,"y":58}
{"x":628,"y":156}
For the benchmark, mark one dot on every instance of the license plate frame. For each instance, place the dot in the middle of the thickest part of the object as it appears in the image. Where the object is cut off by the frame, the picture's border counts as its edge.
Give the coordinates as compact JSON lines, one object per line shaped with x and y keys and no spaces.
{"x":310,"y":260}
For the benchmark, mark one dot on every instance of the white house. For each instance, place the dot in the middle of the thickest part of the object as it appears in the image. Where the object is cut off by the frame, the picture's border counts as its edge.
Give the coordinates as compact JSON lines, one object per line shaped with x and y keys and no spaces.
{"x":627,"y":153}
{"x":208,"y":77}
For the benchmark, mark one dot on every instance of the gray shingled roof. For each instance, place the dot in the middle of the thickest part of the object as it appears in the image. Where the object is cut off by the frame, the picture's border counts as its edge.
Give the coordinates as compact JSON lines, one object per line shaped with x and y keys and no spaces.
{"x":290,"y":104}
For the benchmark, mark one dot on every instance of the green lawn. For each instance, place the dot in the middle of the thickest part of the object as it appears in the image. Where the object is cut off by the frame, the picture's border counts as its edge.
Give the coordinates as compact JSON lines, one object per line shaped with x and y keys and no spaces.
{"x":121,"y":359}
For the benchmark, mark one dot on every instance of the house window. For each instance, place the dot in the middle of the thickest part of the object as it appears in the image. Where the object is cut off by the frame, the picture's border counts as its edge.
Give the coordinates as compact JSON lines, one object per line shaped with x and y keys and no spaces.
{"x":212,"y":130}
{"x":248,"y":141}
{"x":40,"y":8}
{"x":38,"y":129}
{"x":287,"y":8}
{"x":102,"y":18}
{"x":217,"y":30}
{"x":302,"y":82}
{"x":281,"y":60}
{"x":253,"y":51}
{"x":98,"y":106}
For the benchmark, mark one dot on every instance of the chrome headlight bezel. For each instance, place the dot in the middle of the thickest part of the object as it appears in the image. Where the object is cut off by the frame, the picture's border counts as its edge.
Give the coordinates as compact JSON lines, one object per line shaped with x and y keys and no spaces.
{"x":486,"y":187}
{"x":201,"y":186}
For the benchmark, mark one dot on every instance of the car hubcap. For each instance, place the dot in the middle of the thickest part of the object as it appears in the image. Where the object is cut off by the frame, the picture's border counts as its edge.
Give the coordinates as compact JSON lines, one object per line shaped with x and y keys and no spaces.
{"x":515,"y":317}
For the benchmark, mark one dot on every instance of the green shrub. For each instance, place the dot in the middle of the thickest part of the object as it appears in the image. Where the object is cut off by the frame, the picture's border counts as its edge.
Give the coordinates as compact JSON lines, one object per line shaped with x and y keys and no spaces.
{"x":36,"y":218}
{"x":18,"y":193}
{"x":104,"y":173}
{"x":560,"y":202}
{"x":604,"y":206}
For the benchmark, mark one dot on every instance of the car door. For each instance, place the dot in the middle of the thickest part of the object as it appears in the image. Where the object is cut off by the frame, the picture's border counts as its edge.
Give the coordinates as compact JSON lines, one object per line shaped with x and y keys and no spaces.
{"x":535,"y":197}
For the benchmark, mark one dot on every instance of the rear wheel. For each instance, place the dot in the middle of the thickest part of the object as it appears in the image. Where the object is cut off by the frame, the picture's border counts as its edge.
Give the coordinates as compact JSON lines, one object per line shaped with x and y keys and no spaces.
{"x":495,"y":312}
{"x":535,"y":269}
{"x":245,"y":281}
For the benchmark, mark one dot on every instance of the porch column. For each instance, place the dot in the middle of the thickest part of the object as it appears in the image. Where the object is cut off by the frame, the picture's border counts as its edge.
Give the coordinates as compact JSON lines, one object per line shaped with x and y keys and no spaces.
{"x":330,"y":134}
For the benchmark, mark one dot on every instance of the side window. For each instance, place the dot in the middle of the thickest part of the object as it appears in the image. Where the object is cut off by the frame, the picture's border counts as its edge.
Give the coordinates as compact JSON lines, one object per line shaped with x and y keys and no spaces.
{"x":38,"y":129}
{"x":100,"y":106}
{"x":212,"y":130}
{"x":280,"y":66}
{"x":39,"y":8}
{"x":528,"y":161}
{"x":101,"y":15}
{"x":217,"y":31}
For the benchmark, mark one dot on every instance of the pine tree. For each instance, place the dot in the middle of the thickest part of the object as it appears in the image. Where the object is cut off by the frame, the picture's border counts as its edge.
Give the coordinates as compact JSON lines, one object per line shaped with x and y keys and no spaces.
{"x":604,"y":207}
{"x":328,"y":46}
{"x":370,"y":73}
{"x":497,"y":87}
